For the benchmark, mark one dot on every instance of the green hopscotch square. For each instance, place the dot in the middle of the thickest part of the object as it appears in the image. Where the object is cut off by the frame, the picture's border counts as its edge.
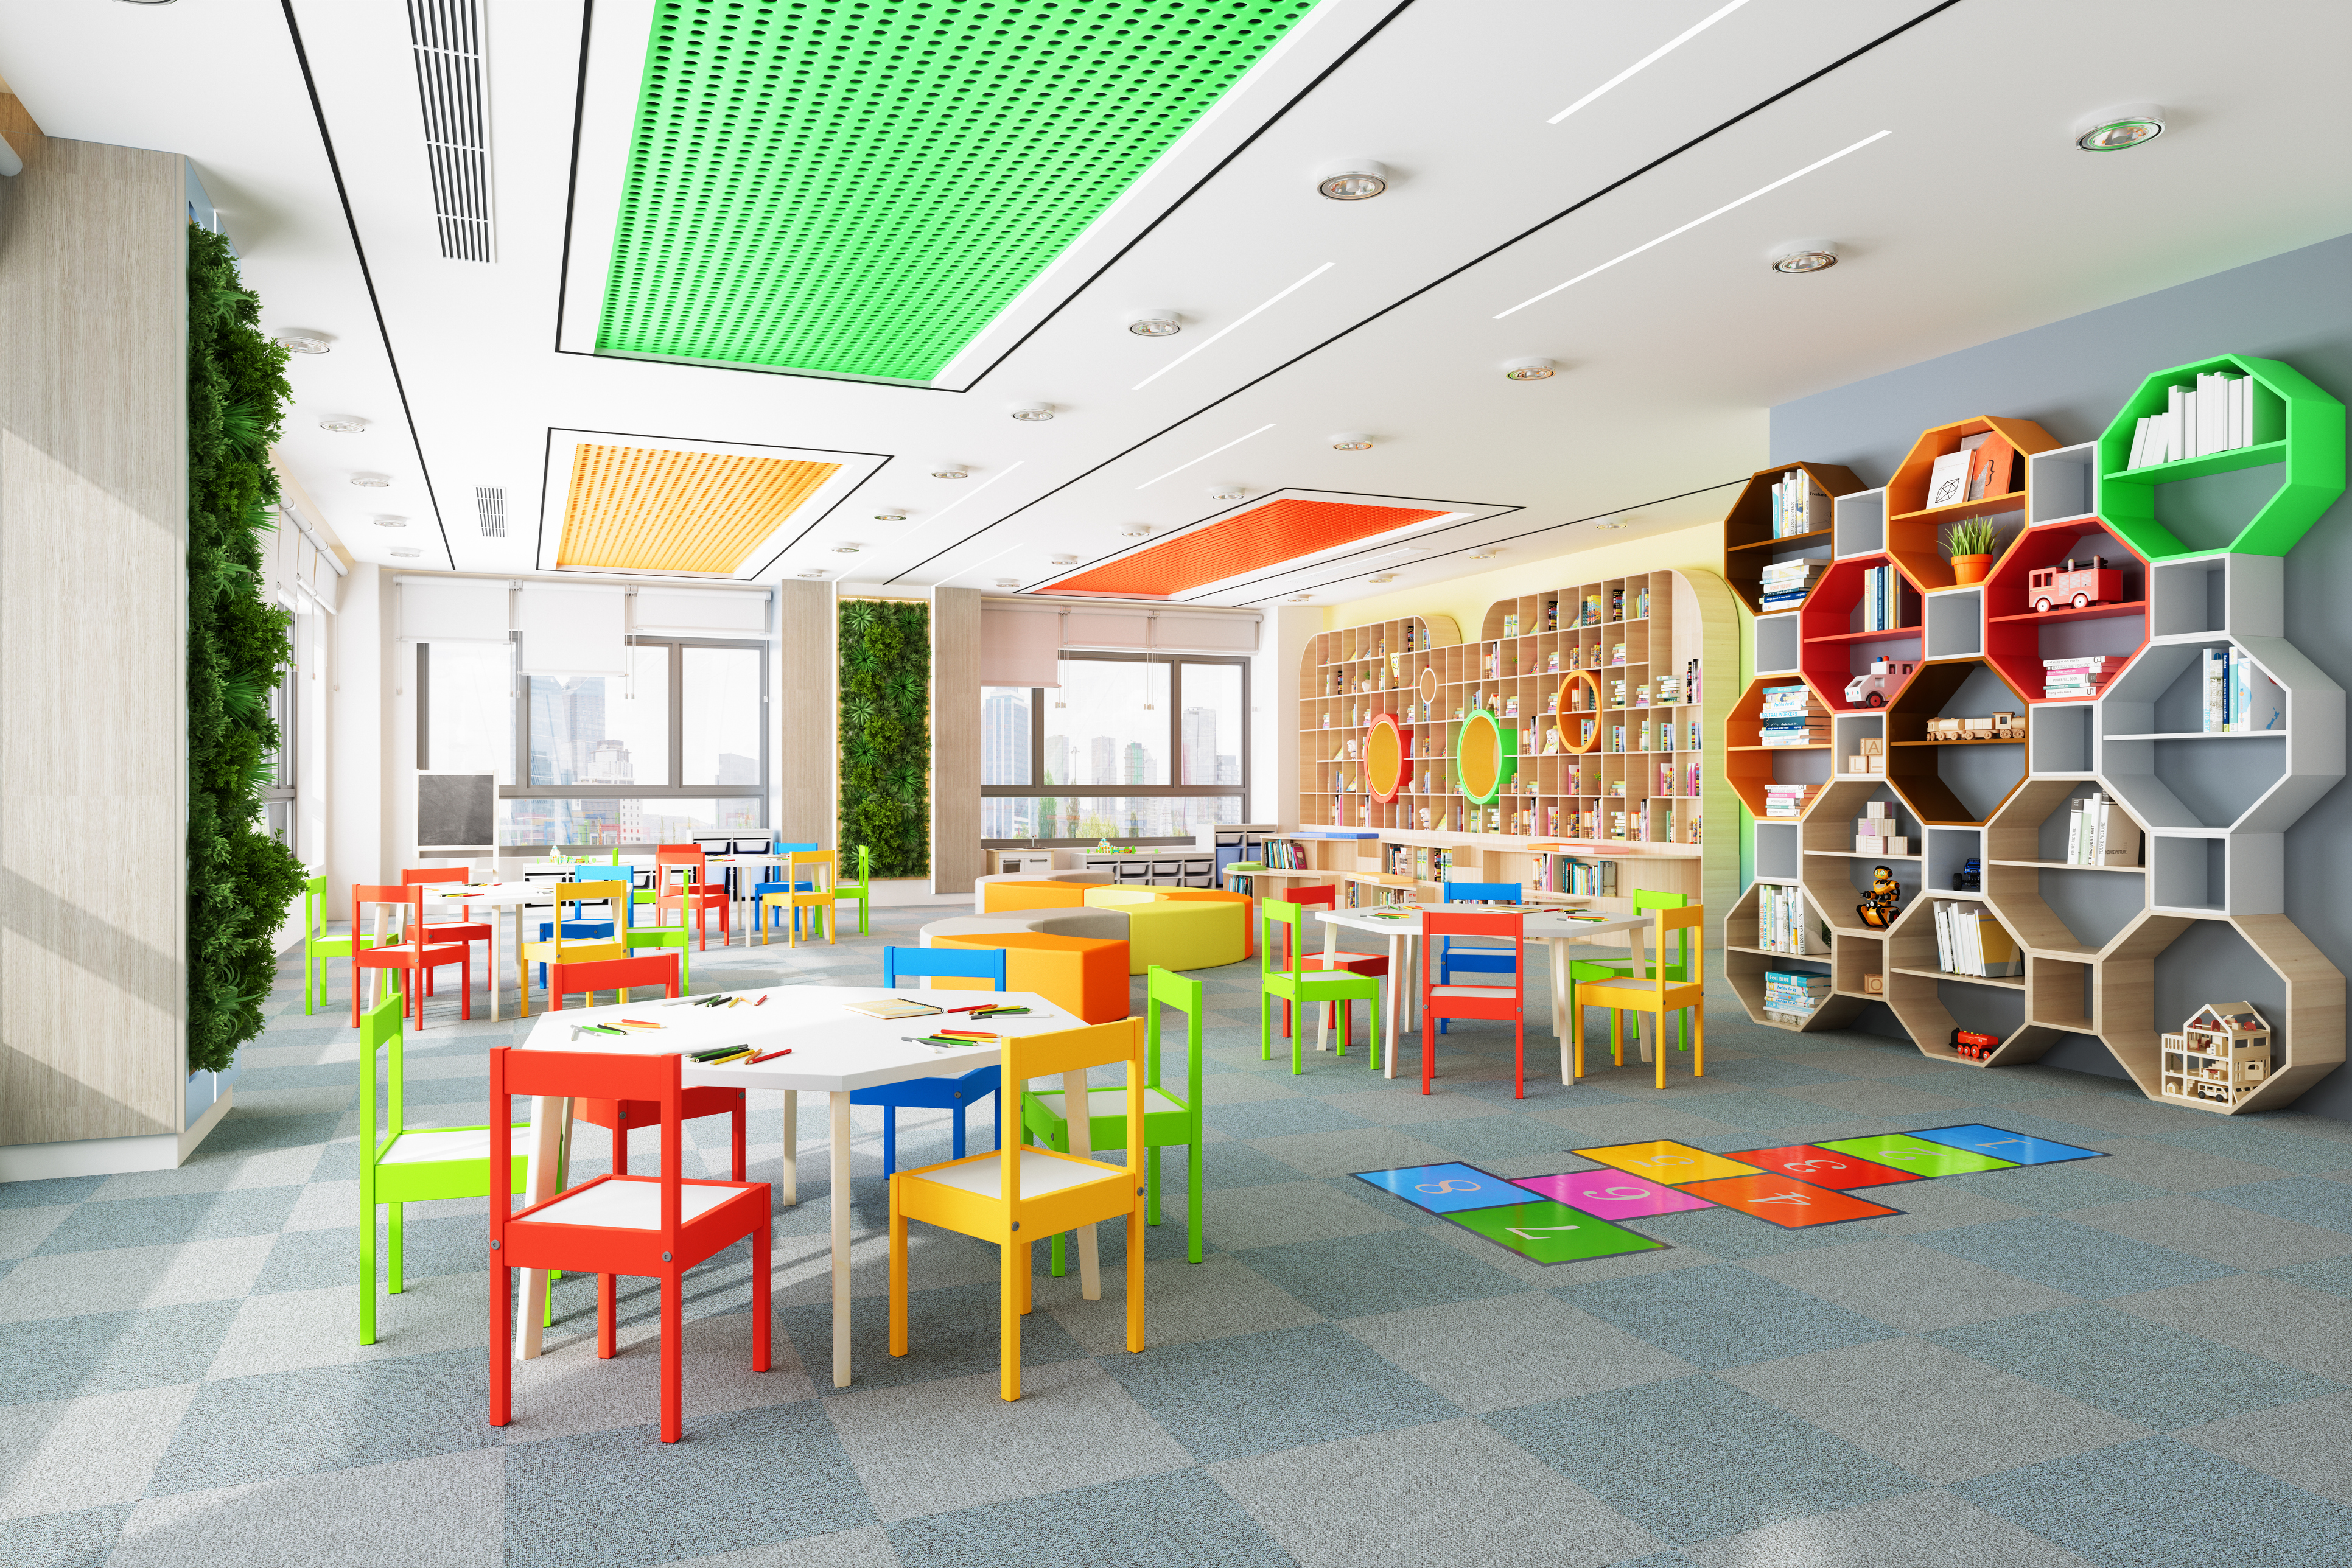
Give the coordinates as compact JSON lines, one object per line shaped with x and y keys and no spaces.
{"x":1547,"y":1232}
{"x":1916,"y":1155}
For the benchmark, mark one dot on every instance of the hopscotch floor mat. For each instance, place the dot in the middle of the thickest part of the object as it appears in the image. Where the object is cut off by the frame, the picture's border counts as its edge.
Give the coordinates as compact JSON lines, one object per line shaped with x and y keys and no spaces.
{"x":1571,"y":1215}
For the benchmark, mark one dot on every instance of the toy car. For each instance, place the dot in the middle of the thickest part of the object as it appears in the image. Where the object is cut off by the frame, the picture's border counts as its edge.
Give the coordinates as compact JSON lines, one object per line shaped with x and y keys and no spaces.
{"x":1880,"y":681}
{"x":1974,"y":1045}
{"x":2060,"y":587}
{"x":1968,"y":878}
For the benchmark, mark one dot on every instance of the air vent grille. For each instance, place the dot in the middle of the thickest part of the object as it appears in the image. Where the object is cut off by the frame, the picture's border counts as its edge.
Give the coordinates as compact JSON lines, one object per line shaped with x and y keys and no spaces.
{"x":448,"y":36}
{"x":490,"y":505}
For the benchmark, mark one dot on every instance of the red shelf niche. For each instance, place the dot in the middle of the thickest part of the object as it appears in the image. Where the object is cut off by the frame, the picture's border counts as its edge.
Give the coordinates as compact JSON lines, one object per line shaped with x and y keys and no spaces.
{"x":1747,"y":543}
{"x":1831,"y":653}
{"x":1914,"y":531}
{"x":2017,"y":640}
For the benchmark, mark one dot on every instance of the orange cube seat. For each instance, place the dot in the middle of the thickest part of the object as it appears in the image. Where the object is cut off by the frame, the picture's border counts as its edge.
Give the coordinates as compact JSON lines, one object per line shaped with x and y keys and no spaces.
{"x":1087,"y":975}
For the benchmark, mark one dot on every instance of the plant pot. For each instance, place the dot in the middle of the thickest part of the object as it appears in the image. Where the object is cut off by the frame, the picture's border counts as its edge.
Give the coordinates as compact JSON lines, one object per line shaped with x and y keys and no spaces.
{"x":1970,"y":568}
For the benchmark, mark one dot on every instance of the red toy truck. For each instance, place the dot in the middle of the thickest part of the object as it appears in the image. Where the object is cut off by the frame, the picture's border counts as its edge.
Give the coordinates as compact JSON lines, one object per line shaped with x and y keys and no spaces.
{"x":2079,"y":588}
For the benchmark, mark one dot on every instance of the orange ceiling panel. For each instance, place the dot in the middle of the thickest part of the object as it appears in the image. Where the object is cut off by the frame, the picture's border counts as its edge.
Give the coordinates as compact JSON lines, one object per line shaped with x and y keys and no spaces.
{"x":1263,"y":536}
{"x":648,"y":509}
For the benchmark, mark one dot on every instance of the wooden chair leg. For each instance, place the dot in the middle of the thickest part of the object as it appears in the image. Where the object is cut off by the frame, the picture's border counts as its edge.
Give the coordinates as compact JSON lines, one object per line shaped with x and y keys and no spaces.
{"x":1698,"y":1040}
{"x":392,"y":1253}
{"x":1658,"y":1024}
{"x":367,"y":1261}
{"x":1027,"y":1261}
{"x":889,"y":1141}
{"x":1192,"y":1216}
{"x":1575,"y":1034}
{"x":621,"y":1148}
{"x":1519,"y":1055}
{"x":1152,"y":1185}
{"x":673,"y":1354}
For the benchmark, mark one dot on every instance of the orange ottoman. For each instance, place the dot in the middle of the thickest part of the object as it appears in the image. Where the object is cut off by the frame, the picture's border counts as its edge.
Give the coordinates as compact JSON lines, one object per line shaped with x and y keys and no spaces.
{"x":1086,"y":975}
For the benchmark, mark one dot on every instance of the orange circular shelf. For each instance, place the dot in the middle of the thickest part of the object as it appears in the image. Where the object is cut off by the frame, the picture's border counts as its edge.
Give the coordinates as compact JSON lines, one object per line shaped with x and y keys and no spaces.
{"x":1560,"y":711}
{"x":1486,"y":760}
{"x":1384,"y":755}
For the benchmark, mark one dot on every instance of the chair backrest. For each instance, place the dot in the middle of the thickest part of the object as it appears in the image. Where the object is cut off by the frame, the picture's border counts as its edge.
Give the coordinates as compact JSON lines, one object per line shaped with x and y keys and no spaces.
{"x":1683,"y":923}
{"x":408,"y":896}
{"x":615,"y":974}
{"x":435,"y":874}
{"x":943,"y":964}
{"x":614,"y":896}
{"x":813,"y":861}
{"x":590,"y":1074}
{"x":662,"y":849}
{"x":1328,"y":898}
{"x":380,"y":1028}
{"x":1280,"y":919}
{"x":672,"y":857}
{"x":1648,"y":902}
{"x":314,"y":910}
{"x":1069,"y":1053}
{"x":865,"y":866}
{"x":1496,"y":892}
{"x":1166,"y":988}
{"x":1436,"y":926}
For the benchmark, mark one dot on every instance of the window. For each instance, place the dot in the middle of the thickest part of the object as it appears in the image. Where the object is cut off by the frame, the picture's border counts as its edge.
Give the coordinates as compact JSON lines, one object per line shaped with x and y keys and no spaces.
{"x":1126,"y":747}
{"x":675,"y":747}
{"x":277,"y":792}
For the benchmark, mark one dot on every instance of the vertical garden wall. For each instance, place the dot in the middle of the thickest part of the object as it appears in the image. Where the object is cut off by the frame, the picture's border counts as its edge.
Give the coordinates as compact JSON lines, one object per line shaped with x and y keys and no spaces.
{"x":240,"y":880}
{"x":885,"y":735}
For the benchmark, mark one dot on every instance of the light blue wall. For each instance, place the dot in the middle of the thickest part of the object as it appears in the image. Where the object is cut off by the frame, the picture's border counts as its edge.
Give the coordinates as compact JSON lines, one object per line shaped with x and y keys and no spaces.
{"x":2070,"y":377}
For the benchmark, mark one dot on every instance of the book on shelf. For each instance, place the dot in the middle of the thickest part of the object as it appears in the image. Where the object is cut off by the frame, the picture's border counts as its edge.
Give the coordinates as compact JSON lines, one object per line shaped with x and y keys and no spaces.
{"x":1788,"y":800}
{"x":1793,"y":505}
{"x":2080,"y":676}
{"x":1948,"y":481}
{"x":1990,"y":464}
{"x":2215,"y":414}
{"x":1881,"y":609}
{"x":1783,"y":584}
{"x":1969,"y":941}
{"x":1781,"y":923}
{"x":2098,"y":835}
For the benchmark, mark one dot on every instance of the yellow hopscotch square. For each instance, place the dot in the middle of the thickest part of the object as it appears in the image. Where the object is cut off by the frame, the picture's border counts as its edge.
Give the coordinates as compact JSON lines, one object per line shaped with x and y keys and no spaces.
{"x":1663,"y":1159}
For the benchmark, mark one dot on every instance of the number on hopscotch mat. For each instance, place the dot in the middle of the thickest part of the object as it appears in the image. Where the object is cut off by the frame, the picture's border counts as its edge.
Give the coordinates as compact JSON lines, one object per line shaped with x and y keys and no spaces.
{"x":1547,"y":1232}
{"x":1445,"y":1189}
{"x":1789,"y":1203}
{"x":1823,"y":1169}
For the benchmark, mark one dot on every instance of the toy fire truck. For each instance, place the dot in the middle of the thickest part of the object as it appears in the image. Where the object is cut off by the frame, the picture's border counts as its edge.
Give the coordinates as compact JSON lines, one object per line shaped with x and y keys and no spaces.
{"x":2068,"y":586}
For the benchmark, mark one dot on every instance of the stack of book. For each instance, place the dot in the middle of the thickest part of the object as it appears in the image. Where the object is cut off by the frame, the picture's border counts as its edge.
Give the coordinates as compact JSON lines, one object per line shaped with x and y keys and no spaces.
{"x":1970,"y":942}
{"x":1782,"y":926}
{"x":1788,"y":800}
{"x":1796,"y":502}
{"x":1786,"y":583}
{"x":1790,"y":716}
{"x":2084,"y":677}
{"x":2239,"y":697}
{"x":1881,"y":600}
{"x":1794,"y":993}
{"x":2098,"y":835}
{"x":2215,"y":415}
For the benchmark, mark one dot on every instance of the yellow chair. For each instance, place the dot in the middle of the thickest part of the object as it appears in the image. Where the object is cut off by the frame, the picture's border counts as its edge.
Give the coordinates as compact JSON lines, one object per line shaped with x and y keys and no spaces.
{"x":1021,"y":1194}
{"x":1657,"y":996}
{"x":593,"y":950}
{"x":823,"y":872}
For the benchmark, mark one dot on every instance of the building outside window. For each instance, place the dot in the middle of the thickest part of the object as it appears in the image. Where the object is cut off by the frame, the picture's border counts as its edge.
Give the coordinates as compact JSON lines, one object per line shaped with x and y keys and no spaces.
{"x":1128,"y":747}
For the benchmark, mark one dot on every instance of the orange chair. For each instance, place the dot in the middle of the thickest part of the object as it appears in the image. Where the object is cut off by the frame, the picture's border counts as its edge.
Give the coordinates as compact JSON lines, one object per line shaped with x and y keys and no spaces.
{"x":1085,"y":974}
{"x":464,"y":928}
{"x":689,"y":893}
{"x":621,"y":1117}
{"x":409,"y":952}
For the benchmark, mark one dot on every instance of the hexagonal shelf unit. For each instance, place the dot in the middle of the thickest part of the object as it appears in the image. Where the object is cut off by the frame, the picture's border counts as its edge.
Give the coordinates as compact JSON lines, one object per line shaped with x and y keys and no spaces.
{"x":2061,"y":909}
{"x":2295,"y":424}
{"x":1745,"y":959}
{"x":1953,"y":782}
{"x":1751,"y":765}
{"x":1931,"y":1001}
{"x":2163,"y":967}
{"x":1835,"y":646}
{"x":1914,"y":529}
{"x":2058,"y":563}
{"x":1835,"y":874}
{"x":1748,"y":545}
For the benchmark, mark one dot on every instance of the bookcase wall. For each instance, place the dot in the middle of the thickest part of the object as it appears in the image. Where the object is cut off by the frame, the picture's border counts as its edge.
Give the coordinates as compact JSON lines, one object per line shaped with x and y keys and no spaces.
{"x":2119,"y":952}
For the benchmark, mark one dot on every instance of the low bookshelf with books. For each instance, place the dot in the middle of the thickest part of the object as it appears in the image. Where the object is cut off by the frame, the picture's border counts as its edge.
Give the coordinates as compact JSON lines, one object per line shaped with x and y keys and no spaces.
{"x":1776,"y":954}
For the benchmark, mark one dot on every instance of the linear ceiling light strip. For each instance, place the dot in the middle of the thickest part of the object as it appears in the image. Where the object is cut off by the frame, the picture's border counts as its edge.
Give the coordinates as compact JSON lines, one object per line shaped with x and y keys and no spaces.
{"x":859,"y":189}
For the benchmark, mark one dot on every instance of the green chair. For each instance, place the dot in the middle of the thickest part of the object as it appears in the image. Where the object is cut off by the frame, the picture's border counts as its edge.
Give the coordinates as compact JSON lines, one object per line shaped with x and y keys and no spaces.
{"x":675,"y":936}
{"x":1167,"y":1119}
{"x":1304,"y":988}
{"x":859,"y":893}
{"x":412,"y":1164}
{"x":1580,"y":971}
{"x":318,"y":947}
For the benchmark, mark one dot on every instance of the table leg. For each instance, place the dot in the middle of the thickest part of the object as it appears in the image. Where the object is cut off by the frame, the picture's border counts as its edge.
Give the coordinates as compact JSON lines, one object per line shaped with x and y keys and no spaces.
{"x":1563,"y":998}
{"x":1396,"y":999}
{"x":791,"y":1185}
{"x":841,"y":1240}
{"x":1322,"y":1021}
{"x":498,"y":933}
{"x":547,"y":1114}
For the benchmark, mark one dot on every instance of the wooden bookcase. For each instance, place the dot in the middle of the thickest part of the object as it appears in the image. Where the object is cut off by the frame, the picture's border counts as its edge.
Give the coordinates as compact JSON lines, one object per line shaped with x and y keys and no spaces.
{"x":1748,"y":545}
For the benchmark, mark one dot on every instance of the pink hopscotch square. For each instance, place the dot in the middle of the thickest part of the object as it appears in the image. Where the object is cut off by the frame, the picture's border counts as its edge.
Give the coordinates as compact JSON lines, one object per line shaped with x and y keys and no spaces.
{"x":1612,"y":1194}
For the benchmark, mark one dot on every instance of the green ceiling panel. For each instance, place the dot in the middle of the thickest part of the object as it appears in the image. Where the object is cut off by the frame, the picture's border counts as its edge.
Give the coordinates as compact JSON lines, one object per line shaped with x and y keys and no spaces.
{"x":859,"y":188}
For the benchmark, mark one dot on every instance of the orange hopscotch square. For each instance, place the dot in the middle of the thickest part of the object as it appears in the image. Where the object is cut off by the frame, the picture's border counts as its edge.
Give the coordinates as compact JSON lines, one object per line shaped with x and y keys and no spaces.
{"x":1783,"y":1201}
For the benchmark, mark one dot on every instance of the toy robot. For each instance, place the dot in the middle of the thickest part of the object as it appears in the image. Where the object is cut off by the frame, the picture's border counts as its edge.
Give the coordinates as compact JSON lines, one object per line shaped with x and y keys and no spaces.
{"x":1878,"y":906}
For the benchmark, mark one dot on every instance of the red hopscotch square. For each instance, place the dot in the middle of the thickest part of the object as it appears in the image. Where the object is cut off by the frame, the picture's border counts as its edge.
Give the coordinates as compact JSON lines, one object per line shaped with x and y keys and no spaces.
{"x":1823,"y":1168}
{"x":1791,"y":1204}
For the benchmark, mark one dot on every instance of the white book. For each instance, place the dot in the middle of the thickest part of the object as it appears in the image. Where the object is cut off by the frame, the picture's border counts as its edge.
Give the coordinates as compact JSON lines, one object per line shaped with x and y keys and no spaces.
{"x":2098,"y":831}
{"x":2139,"y":444}
{"x":2213,"y":674}
{"x":2210,"y":407}
{"x":1972,"y":941}
{"x":2074,"y":836}
{"x":2245,"y":406}
{"x":1944,"y":938}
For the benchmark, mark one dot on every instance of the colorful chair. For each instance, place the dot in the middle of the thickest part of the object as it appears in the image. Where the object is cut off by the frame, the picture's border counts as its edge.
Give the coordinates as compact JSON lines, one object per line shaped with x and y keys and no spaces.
{"x":620,"y":1117}
{"x":1294,"y":982}
{"x":861,"y":892}
{"x":565,"y":947}
{"x":1021,"y":1191}
{"x":409,"y":952}
{"x":760,"y":889}
{"x":318,"y":947}
{"x":1581,"y":970}
{"x":1373,"y":963}
{"x":1167,"y":1119}
{"x":1474,"y":960}
{"x":464,"y":928}
{"x":956,"y":1093}
{"x":614,"y":1225}
{"x":817,"y":899}
{"x":1441,"y":1000}
{"x":406,"y":1164}
{"x":691,"y":892}
{"x":1085,"y":975}
{"x":1654,"y":995}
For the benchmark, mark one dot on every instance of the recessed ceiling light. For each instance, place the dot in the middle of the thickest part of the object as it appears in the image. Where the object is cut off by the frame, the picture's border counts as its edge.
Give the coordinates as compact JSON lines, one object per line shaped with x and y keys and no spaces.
{"x":952,"y":471}
{"x":1064,"y":560}
{"x":341,"y":426}
{"x":1156,"y":323}
{"x":370,"y":481}
{"x":1300,"y":598}
{"x":1352,"y":180}
{"x":1385,"y":577}
{"x":1228,"y":492}
{"x":408,"y":552}
{"x":1613,"y":522}
{"x":392,"y":522}
{"x":1800,"y":256}
{"x":2114,"y":130}
{"x":1239,"y":320}
{"x":889,"y":517}
{"x":1136,"y":531}
{"x":1034,"y":413}
{"x":847,"y":549}
{"x":292,"y":340}
{"x":1531,"y":370}
{"x":1008,"y":581}
{"x":1358,"y":443}
{"x":1483,"y":554}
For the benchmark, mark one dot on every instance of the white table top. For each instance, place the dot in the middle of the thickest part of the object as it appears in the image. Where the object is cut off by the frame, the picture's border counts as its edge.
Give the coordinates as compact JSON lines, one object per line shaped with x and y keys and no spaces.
{"x":505,"y":892}
{"x":1541,"y":922}
{"x":834,"y":1049}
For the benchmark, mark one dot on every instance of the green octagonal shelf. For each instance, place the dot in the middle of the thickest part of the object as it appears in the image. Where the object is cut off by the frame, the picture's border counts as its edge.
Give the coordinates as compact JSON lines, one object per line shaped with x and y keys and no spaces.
{"x":2296,"y":424}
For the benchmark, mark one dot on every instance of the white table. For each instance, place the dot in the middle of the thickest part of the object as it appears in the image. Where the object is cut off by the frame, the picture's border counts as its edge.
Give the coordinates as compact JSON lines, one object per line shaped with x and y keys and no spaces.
{"x":835,"y":1052}
{"x":499,"y":898}
{"x":1558,"y":930}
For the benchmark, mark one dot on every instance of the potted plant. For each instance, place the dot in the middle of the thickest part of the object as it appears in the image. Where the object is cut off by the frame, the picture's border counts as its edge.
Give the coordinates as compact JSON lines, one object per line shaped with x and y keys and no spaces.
{"x":1971,"y":546}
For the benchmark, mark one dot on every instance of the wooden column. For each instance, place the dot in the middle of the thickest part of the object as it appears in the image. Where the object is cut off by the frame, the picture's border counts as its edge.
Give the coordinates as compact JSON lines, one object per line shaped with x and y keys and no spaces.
{"x":807,"y":734}
{"x":956,"y":857}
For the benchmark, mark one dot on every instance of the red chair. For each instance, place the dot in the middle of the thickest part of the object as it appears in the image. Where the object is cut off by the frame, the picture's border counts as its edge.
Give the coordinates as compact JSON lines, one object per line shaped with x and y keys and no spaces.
{"x":409,"y":951}
{"x":621,"y":1117}
{"x":615,"y":1224}
{"x":1491,"y":1002}
{"x":1374,"y":964}
{"x":464,"y":928}
{"x":691,"y":894}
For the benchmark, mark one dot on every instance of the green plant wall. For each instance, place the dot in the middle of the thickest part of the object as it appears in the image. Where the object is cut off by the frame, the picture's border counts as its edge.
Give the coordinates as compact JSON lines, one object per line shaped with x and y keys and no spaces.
{"x":885,"y":735}
{"x":240,"y":880}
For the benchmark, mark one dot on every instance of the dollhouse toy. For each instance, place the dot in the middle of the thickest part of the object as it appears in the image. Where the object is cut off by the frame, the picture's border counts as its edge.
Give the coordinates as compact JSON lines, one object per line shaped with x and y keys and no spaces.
{"x":2221,"y":1055}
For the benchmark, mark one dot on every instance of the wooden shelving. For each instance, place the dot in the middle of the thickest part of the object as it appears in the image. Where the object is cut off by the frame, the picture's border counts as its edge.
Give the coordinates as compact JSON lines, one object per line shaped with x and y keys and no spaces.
{"x":1921,"y":769}
{"x":1914,"y":529}
{"x":1748,"y":545}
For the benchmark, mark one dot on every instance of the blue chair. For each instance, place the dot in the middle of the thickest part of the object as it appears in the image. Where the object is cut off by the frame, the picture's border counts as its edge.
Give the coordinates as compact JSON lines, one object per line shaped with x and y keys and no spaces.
{"x":954,"y":1094}
{"x":1449,"y":960}
{"x":759,"y":906}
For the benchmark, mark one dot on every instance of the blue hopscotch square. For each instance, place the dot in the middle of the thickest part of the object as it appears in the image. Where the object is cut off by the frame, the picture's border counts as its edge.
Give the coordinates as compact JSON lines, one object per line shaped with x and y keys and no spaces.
{"x":1999,"y":1143}
{"x":1446,"y":1189}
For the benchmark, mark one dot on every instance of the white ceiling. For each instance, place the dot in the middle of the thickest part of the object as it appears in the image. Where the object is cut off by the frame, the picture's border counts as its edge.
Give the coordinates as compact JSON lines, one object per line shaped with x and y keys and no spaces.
{"x":1976,"y":216}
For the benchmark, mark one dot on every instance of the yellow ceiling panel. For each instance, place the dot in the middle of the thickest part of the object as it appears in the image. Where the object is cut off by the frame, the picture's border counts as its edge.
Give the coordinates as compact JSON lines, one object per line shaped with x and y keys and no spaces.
{"x":648,"y":508}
